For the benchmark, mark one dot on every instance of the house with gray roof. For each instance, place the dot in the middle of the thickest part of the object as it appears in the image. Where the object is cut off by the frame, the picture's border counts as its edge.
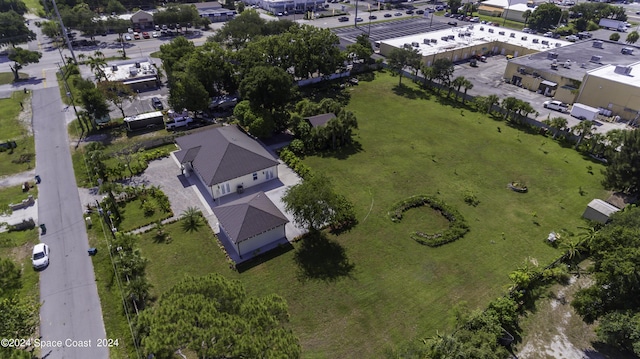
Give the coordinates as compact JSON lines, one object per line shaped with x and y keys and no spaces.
{"x":226,"y":160}
{"x":251,"y":223}
{"x":320,"y":120}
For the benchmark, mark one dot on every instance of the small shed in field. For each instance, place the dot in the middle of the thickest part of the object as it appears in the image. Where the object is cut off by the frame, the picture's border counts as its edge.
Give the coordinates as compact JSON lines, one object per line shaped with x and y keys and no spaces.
{"x":599,"y":211}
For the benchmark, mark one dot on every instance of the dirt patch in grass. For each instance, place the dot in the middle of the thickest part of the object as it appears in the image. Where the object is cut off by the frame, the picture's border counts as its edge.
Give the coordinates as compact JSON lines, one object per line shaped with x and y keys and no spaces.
{"x":556,"y":331}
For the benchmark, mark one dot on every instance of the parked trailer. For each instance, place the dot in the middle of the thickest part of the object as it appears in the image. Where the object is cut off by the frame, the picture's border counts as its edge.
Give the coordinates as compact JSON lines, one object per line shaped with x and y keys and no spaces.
{"x":613,"y":24}
{"x":144,"y":120}
{"x":584,"y":112}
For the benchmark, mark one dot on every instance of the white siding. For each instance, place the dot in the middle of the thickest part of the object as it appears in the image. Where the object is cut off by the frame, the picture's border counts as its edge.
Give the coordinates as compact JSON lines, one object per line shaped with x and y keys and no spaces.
{"x":246,"y":181}
{"x":261,"y":240}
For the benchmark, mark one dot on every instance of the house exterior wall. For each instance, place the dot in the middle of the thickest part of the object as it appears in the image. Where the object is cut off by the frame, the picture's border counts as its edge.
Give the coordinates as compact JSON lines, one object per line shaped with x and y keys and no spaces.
{"x":249,"y":245}
{"x":228,"y":187}
{"x":514,"y":15}
{"x":593,"y":215}
{"x":622,"y":99}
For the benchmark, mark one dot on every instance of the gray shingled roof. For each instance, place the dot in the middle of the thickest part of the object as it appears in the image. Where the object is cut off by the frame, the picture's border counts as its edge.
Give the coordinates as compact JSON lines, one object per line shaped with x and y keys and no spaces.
{"x":249,"y":216}
{"x":224,"y":153}
{"x":320,"y":120}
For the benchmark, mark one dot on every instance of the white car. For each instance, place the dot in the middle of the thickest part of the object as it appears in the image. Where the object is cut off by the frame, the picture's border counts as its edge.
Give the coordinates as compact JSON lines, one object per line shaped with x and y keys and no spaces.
{"x":556,"y":105}
{"x":40,"y":257}
{"x":155,"y":34}
{"x":127,"y":37}
{"x":572,"y":38}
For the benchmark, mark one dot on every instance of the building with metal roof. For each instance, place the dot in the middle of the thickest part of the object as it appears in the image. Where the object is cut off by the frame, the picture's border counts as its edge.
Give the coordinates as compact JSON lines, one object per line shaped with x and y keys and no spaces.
{"x":137,"y":74}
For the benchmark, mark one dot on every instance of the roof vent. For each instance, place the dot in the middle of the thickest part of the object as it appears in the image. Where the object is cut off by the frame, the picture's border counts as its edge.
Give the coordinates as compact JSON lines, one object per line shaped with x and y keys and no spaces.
{"x":535,"y":41}
{"x":583,"y":65}
{"x":552,"y":55}
{"x":623,"y":70}
{"x":133,"y":71}
{"x":137,"y":65}
{"x":444,"y":38}
{"x":114,"y":68}
{"x":435,"y":41}
{"x":545,"y":42}
{"x":426,"y":41}
{"x":513,"y":34}
{"x":524,"y":38}
{"x":558,"y":44}
{"x":597,"y":44}
{"x":451,"y":37}
{"x":627,"y":51}
{"x":407,"y":46}
{"x":415,"y":44}
{"x":500,"y":32}
{"x":481,"y":28}
{"x":596,"y":59}
{"x":567,"y":64}
{"x":491,"y":31}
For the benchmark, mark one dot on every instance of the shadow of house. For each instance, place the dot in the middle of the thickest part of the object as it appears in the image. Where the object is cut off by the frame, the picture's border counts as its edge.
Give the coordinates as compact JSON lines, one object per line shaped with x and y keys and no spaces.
{"x":250,"y":225}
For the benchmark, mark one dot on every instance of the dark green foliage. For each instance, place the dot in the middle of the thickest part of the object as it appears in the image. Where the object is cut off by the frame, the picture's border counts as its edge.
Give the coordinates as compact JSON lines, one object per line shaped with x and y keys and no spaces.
{"x":544,"y":16}
{"x":13,"y":5}
{"x":623,"y":171}
{"x":314,"y":204}
{"x":10,"y":278}
{"x":614,"y":298}
{"x":217,"y":319}
{"x":295,"y":163}
{"x":398,"y":59}
{"x":457,"y":225}
{"x":13,"y":29}
{"x":192,"y":219}
{"x":92,"y":99}
{"x":268,"y":88}
{"x":22,"y":58}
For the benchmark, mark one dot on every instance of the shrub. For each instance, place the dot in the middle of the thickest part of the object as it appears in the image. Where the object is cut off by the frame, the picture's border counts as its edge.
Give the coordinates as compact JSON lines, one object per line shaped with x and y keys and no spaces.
{"x":148,"y":208}
{"x":457,"y":225}
{"x":297,"y":147}
{"x":471,"y":199}
{"x":290,"y":158}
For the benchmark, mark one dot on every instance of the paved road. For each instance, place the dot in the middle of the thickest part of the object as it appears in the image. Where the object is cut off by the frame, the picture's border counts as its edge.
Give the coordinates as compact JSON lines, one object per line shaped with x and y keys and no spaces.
{"x":70,"y":310}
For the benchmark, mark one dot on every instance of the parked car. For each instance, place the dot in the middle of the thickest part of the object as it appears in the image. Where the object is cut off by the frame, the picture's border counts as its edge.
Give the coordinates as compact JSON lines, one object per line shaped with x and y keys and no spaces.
{"x":40,"y":256}
{"x":527,"y":30}
{"x":136,"y":36}
{"x":145,"y":35}
{"x":556,"y":105}
{"x":572,"y":38}
{"x":409,"y":12}
{"x":452,"y":23}
{"x":359,"y":19}
{"x":127,"y":37}
{"x":372,"y":17}
{"x":548,"y":34}
{"x":155,"y":34}
{"x":398,"y":14}
{"x":446,"y":14}
{"x":420,"y":12}
{"x":156,"y":103}
{"x":387,"y":15}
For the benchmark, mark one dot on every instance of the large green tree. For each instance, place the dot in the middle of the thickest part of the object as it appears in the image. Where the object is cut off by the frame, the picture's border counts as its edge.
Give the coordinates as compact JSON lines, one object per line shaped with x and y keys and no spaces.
{"x":22,"y":58}
{"x":92,"y":99}
{"x":238,"y":32}
{"x":545,"y":16}
{"x":268,"y":88}
{"x":187,"y":92}
{"x":13,"y":5}
{"x":215,"y":318}
{"x":13,"y":29}
{"x":398,"y":59}
{"x":632,"y":37}
{"x":623,"y":170}
{"x":172,"y":54}
{"x":315,"y":204}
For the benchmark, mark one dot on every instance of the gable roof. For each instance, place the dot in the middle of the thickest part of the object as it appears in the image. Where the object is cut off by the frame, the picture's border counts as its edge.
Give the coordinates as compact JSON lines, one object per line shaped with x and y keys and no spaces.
{"x":223,"y":153}
{"x":249,"y":216}
{"x":320,"y":120}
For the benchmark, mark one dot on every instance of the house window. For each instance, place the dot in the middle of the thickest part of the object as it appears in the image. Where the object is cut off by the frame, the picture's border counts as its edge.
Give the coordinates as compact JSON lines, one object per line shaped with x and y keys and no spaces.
{"x":255,"y":176}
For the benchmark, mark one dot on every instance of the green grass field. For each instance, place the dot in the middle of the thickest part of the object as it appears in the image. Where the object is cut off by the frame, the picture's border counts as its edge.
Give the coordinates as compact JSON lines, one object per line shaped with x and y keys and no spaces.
{"x":21,"y":158}
{"x":396,"y":289}
{"x":7,"y":77}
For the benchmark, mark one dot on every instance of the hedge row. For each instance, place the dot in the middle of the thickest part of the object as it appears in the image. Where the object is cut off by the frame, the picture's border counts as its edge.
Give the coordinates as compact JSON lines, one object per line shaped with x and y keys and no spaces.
{"x":295,"y":163}
{"x":457,"y":225}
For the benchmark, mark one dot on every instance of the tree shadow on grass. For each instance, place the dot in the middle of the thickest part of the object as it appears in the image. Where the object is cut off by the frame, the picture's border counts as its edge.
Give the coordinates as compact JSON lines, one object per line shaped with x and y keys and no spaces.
{"x":321,"y":258}
{"x":410,"y":92}
{"x":343,"y":152}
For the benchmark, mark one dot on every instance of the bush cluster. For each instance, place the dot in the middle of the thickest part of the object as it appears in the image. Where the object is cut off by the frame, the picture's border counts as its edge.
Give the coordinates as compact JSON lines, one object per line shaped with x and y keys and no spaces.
{"x":457,"y":225}
{"x":295,"y":163}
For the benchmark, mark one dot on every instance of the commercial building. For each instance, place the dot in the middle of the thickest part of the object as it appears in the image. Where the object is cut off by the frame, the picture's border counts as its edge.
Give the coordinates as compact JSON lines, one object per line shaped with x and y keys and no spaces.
{"x":598,"y":73}
{"x":291,"y":6}
{"x":461,"y":43}
{"x":214,"y":11}
{"x":139,"y":74}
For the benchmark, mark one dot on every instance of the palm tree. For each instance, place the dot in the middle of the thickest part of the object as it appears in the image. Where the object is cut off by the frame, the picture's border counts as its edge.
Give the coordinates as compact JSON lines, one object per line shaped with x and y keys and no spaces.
{"x":429,"y":74}
{"x":633,"y":37}
{"x":583,"y":129}
{"x":557,"y":123}
{"x":458,"y":82}
{"x":97,"y":63}
{"x":587,"y":236}
{"x":509,"y":104}
{"x":595,"y":142}
{"x":191,"y":219}
{"x":468,"y":85}
{"x":492,"y":100}
{"x":572,"y":248}
{"x":138,"y":292}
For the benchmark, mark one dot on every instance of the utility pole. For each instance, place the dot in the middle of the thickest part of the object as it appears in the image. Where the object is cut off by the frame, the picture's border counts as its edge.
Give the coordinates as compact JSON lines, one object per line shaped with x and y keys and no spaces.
{"x":64,"y":31}
{"x":69,"y":94}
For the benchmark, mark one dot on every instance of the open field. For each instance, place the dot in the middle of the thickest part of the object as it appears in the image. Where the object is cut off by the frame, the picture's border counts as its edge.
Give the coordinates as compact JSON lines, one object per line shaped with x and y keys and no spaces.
{"x":15,"y":124}
{"x":374,"y":287}
{"x":7,"y":77}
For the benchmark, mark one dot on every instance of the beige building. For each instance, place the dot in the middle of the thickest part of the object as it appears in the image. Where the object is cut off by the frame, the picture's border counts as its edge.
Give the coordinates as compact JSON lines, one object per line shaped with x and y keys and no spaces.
{"x":139,"y":74}
{"x":560,"y":73}
{"x":461,"y":43}
{"x":615,"y":88}
{"x":142,"y":19}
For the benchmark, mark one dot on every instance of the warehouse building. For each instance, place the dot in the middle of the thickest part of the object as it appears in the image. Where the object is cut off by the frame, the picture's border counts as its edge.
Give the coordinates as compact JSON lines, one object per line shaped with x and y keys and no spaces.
{"x":138,"y":74}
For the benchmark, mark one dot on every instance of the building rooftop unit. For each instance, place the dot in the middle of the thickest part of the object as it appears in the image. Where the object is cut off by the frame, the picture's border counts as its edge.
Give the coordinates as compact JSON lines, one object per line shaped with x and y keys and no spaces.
{"x":130,"y":70}
{"x":584,"y":56}
{"x":471,"y":35}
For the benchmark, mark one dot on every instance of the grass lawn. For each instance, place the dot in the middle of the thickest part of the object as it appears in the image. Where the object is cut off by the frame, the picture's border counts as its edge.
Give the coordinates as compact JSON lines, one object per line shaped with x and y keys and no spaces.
{"x":396,"y":289}
{"x":14,"y":195}
{"x":7,"y":77}
{"x":133,"y":216}
{"x":22,"y":157}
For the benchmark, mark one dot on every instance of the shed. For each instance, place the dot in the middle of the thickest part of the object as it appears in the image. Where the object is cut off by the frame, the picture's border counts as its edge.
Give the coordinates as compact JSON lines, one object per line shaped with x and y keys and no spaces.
{"x":320,"y":120}
{"x":599,"y":211}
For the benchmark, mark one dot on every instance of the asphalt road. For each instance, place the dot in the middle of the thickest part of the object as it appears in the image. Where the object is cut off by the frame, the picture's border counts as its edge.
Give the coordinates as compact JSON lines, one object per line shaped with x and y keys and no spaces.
{"x":70,"y":314}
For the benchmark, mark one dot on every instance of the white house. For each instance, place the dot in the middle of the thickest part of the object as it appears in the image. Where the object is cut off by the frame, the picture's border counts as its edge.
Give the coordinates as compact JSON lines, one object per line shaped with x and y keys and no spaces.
{"x":226,"y":160}
{"x":251,"y":223}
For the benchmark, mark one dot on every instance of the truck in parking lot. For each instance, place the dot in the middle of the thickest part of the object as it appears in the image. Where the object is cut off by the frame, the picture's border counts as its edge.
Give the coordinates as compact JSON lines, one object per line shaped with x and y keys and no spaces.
{"x":611,"y":24}
{"x":176,"y":120}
